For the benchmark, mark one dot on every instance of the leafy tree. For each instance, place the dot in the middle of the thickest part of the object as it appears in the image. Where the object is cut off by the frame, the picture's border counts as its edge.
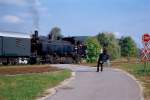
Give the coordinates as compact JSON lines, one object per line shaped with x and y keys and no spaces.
{"x":114,"y":50}
{"x":102,"y":39}
{"x":108,"y":41}
{"x":93,"y":49}
{"x":55,"y":33}
{"x":128,"y":47}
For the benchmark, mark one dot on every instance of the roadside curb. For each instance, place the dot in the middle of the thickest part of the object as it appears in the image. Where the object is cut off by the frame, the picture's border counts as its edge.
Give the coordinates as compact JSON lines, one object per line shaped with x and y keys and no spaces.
{"x":136,"y":80}
{"x":52,"y":91}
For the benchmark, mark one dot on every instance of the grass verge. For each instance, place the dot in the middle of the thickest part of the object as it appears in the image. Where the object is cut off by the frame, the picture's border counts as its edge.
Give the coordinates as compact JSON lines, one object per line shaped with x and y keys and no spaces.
{"x":28,"y":87}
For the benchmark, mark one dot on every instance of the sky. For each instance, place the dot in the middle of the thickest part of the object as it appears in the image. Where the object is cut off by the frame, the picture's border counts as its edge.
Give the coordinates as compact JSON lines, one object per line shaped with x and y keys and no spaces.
{"x":77,"y":17}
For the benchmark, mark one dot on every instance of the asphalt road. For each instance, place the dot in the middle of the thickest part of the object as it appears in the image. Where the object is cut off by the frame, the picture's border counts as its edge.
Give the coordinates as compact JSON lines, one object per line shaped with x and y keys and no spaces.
{"x":91,"y":85}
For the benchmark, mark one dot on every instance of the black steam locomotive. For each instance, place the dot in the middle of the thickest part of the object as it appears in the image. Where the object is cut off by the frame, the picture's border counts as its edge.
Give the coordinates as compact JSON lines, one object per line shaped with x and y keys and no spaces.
{"x":15,"y":49}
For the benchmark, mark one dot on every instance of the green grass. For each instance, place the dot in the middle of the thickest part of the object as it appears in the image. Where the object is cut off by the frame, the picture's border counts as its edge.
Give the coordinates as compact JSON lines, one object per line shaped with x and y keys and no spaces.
{"x":141,"y":73}
{"x":136,"y":69}
{"x":28,"y":87}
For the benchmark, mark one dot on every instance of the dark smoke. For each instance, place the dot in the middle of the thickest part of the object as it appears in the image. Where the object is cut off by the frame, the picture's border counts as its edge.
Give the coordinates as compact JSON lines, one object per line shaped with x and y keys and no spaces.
{"x":35,"y":13}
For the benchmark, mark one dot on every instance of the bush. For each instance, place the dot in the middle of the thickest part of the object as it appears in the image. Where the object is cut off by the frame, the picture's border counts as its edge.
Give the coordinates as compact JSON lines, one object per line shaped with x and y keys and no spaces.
{"x":93,"y":49}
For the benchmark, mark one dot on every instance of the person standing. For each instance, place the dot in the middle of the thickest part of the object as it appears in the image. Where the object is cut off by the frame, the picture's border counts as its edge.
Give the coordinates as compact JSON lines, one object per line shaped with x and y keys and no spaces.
{"x":103,"y":57}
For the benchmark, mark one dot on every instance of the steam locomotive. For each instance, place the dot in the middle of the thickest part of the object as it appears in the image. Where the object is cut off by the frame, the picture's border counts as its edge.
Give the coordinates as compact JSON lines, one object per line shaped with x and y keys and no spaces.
{"x":18,"y":48}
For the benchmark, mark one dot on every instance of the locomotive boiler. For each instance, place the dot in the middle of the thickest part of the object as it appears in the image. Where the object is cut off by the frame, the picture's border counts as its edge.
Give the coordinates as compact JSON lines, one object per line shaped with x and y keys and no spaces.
{"x":64,"y":50}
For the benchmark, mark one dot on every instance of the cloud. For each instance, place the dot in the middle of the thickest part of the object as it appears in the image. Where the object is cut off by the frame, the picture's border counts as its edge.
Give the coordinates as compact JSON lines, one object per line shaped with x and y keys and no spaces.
{"x":14,"y":2}
{"x":12,"y":19}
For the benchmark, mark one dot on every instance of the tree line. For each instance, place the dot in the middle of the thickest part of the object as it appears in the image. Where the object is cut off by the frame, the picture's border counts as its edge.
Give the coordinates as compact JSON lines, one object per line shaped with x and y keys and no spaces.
{"x":123,"y":47}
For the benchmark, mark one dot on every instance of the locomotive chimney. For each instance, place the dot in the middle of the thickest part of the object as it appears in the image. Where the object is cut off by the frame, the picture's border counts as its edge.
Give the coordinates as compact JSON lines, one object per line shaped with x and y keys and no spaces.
{"x":36,"y":33}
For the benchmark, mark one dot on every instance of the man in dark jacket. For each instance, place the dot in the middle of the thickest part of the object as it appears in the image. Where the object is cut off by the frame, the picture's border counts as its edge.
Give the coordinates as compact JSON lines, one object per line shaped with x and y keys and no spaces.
{"x":103,"y":57}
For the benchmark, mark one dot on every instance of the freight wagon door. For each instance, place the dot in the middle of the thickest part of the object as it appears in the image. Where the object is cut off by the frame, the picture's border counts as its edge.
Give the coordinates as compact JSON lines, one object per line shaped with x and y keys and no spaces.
{"x":1,"y":49}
